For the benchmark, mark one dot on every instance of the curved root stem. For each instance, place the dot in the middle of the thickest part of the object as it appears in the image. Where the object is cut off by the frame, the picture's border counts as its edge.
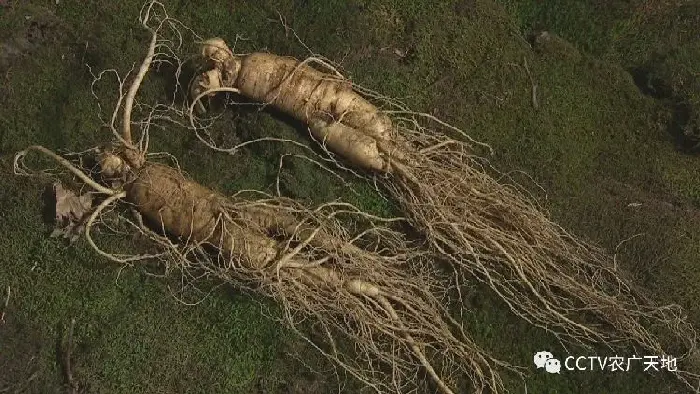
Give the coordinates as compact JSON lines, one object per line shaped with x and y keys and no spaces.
{"x":65,"y":163}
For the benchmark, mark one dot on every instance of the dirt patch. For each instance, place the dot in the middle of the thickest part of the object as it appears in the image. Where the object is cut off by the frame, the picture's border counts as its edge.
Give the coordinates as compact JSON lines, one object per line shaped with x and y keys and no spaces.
{"x":656,"y":79}
{"x":661,"y":223}
{"x":39,"y":28}
{"x":299,"y":385}
{"x":633,"y":196}
{"x":22,"y":349}
{"x":298,"y":369}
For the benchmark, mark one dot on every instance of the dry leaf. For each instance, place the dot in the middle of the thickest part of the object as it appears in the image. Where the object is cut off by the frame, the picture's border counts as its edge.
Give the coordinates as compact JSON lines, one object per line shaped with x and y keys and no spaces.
{"x":71,"y":210}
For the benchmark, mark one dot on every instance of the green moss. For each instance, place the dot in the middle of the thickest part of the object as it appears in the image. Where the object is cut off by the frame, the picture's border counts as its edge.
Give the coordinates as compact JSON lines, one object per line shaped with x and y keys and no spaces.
{"x":597,"y":144}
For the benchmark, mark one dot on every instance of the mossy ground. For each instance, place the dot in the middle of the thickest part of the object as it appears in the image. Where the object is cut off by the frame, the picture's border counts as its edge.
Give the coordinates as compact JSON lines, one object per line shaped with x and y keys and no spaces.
{"x":617,"y":105}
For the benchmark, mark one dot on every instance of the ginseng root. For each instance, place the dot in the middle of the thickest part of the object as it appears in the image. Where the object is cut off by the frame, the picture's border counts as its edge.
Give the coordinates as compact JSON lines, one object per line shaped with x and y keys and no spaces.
{"x":483,"y":228}
{"x":390,"y":311}
{"x":369,"y":289}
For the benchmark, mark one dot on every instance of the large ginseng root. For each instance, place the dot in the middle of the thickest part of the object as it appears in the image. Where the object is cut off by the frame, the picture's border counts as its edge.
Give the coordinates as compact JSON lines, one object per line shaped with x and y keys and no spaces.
{"x":378,"y":314}
{"x":482,"y":227}
{"x":376,"y":306}
{"x":305,"y":260}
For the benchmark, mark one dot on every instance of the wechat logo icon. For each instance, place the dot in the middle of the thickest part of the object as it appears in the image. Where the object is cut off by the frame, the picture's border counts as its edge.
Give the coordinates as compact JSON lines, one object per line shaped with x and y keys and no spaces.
{"x":547,"y":361}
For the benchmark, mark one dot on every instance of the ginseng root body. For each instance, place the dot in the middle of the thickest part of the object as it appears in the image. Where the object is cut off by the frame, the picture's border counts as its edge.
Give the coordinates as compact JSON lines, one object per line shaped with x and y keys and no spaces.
{"x":347,"y":123}
{"x":306,"y":261}
{"x":194,"y":213}
{"x":484,"y":228}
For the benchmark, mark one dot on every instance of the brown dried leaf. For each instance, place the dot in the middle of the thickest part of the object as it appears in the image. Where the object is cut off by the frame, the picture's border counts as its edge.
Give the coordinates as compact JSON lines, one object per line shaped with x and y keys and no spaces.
{"x":71,"y":209}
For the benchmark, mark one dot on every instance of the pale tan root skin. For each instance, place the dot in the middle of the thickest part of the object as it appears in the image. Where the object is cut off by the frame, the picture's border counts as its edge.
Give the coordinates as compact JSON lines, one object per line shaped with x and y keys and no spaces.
{"x":193,"y":212}
{"x":347,"y":123}
{"x":357,"y":148}
{"x":297,"y":89}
